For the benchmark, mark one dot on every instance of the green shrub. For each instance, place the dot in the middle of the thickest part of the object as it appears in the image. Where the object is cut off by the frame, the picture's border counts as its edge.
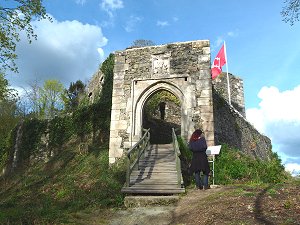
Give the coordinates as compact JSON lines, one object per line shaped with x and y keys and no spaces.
{"x":233,"y":166}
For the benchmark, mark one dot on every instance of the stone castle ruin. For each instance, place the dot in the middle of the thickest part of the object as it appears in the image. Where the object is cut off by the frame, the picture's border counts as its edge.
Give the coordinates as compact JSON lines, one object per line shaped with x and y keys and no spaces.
{"x":182,"y":69}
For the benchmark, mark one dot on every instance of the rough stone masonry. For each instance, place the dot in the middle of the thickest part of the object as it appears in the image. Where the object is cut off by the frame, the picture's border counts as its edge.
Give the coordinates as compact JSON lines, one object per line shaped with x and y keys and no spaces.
{"x":184,"y":70}
{"x":180,"y":68}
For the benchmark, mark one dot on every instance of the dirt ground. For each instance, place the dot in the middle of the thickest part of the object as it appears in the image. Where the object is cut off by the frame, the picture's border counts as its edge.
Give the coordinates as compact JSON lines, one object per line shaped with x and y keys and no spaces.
{"x":243,"y":204}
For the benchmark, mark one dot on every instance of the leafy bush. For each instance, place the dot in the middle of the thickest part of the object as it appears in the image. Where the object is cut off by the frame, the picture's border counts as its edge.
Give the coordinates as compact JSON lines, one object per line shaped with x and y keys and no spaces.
{"x":233,"y":166}
{"x":69,"y":183}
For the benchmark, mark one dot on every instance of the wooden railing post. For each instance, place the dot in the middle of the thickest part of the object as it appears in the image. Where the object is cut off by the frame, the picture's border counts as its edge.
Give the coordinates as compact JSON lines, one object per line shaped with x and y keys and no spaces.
{"x":140,"y":147}
{"x":128,"y":171}
{"x":177,"y":154}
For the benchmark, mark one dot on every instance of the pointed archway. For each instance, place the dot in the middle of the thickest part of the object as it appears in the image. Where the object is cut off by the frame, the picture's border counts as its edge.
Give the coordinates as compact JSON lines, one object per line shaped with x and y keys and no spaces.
{"x":182,"y":69}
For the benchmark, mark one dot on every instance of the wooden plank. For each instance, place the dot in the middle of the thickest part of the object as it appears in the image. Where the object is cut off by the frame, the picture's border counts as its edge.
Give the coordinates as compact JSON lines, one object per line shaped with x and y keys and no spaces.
{"x":146,"y":191}
{"x":157,"y":173}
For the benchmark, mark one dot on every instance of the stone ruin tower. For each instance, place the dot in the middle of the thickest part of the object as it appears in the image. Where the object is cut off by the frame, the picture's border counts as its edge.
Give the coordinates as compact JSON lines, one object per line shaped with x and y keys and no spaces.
{"x":183,"y":69}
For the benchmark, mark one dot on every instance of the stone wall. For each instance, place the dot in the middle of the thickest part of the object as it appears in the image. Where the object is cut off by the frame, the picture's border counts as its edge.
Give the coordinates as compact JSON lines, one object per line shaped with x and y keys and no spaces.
{"x":95,"y":86}
{"x":232,"y":128}
{"x":180,"y":68}
{"x":236,"y":90}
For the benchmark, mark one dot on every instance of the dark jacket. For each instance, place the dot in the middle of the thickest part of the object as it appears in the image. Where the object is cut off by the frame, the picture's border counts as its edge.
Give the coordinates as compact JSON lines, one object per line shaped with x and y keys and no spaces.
{"x":199,"y":161}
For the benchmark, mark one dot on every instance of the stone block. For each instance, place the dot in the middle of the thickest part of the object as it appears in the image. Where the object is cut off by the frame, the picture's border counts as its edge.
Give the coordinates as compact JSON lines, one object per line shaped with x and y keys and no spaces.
{"x":119,"y":106}
{"x":209,"y":136}
{"x":118,"y":92}
{"x":206,"y":51}
{"x":206,"y":109}
{"x":207,"y":127}
{"x":203,"y":84}
{"x":114,"y":144}
{"x":119,"y":75}
{"x":119,"y":125}
{"x":111,"y":160}
{"x":129,"y":105}
{"x":203,"y":59}
{"x":114,"y":133}
{"x":203,"y":101}
{"x":205,"y":94}
{"x":200,"y":44}
{"x":117,"y":100}
{"x":115,"y":114}
{"x":119,"y":152}
{"x":205,"y":74}
{"x":209,"y":117}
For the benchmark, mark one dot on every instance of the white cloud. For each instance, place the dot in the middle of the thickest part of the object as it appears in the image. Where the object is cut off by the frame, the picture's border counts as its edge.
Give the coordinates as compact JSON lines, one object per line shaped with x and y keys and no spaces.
{"x":132,"y":22}
{"x":232,"y":33}
{"x":67,"y":51}
{"x":220,"y":40}
{"x":278,"y":117}
{"x":293,"y":168}
{"x":217,"y":43}
{"x":162,"y":23}
{"x":80,"y":2}
{"x":175,"y":19}
{"x":111,"y":5}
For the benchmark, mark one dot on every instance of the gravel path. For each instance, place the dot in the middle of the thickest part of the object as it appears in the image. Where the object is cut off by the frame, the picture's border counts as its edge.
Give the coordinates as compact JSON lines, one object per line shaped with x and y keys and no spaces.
{"x":161,"y":215}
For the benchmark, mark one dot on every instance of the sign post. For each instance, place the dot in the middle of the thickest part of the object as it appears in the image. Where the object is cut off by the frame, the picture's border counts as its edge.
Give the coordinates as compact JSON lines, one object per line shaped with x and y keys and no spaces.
{"x":212,"y":151}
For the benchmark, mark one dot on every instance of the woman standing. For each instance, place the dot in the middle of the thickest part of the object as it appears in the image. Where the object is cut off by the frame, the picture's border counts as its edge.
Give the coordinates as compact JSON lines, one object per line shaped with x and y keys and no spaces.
{"x":199,"y":164}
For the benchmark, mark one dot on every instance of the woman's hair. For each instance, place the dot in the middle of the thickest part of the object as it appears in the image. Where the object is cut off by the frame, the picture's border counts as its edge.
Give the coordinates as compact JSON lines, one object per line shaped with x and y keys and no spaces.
{"x":196,"y":135}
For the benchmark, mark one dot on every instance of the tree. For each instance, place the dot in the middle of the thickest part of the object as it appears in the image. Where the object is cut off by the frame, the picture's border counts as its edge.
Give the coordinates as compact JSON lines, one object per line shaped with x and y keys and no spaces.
{"x":51,"y":97}
{"x":73,"y":94}
{"x":142,"y":43}
{"x":16,"y":16}
{"x":8,"y":115}
{"x":290,"y":11}
{"x":3,"y":87}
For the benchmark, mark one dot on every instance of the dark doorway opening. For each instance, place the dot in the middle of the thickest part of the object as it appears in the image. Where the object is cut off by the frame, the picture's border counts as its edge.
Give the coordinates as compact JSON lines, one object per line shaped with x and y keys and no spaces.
{"x":161,"y":113}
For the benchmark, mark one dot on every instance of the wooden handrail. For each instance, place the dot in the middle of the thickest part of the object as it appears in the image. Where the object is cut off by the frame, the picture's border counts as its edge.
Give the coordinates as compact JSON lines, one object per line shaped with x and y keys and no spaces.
{"x":177,"y":154}
{"x":138,"y":148}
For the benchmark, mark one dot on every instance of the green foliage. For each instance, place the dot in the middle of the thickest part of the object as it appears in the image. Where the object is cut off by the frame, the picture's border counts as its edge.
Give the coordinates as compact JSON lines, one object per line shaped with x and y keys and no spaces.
{"x":81,"y":122}
{"x":3,"y":87}
{"x":11,"y":23}
{"x":232,"y":166}
{"x":186,"y":153}
{"x":73,"y":95}
{"x":185,"y":158}
{"x":107,"y":68}
{"x":142,"y":43}
{"x":9,"y":117}
{"x":161,"y":96}
{"x":72,"y":180}
{"x":68,"y":184}
{"x":32,"y":130}
{"x":290,"y":11}
{"x":60,"y":130}
{"x":86,"y":122}
{"x":51,"y":98}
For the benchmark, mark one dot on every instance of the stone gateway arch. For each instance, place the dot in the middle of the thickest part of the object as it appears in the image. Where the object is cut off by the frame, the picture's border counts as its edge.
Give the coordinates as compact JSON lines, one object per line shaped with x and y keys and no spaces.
{"x":182,"y":69}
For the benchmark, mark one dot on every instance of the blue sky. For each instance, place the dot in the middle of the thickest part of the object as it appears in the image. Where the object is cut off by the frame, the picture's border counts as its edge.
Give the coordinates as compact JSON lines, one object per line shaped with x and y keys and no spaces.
{"x":261,"y":49}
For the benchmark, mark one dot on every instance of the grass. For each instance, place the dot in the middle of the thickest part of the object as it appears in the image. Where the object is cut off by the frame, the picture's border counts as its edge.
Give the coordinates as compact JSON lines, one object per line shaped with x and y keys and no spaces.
{"x":74,"y":185}
{"x":57,"y":191}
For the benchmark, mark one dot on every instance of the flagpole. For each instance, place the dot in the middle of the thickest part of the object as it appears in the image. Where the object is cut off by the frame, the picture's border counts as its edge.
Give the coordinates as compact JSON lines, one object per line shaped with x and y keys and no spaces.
{"x":228,"y":86}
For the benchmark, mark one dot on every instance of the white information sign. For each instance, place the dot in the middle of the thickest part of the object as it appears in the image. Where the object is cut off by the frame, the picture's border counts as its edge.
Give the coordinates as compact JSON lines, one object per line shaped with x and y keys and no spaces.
{"x":213,"y":150}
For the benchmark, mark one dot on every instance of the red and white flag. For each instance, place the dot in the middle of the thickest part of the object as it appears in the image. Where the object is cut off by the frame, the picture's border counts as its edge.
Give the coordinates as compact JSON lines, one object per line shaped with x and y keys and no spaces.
{"x":219,"y":61}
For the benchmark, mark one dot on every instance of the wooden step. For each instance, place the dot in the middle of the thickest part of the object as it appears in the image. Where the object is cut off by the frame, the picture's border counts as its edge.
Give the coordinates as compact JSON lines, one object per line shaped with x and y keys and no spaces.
{"x":153,"y":191}
{"x":157,"y":173}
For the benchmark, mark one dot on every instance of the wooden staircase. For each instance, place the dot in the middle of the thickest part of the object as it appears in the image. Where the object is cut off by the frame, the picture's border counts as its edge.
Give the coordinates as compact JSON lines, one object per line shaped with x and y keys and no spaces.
{"x":156,"y":172}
